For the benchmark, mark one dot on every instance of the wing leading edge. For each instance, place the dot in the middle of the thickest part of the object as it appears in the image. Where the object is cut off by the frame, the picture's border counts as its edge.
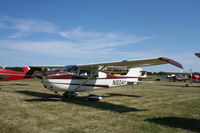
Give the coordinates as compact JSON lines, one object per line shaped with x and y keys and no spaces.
{"x":137,"y":63}
{"x":124,"y":63}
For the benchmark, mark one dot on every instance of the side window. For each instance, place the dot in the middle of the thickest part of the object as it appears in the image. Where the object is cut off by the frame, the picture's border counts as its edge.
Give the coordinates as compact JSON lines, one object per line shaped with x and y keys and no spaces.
{"x":71,"y":69}
{"x":84,"y":73}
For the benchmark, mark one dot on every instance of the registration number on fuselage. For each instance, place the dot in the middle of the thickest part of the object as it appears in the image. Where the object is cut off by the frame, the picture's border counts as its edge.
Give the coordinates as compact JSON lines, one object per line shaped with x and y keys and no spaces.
{"x":119,"y":82}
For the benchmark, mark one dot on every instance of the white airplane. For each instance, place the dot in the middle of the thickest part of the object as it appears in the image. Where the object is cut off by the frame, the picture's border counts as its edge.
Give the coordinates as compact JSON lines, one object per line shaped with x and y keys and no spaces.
{"x":85,"y":78}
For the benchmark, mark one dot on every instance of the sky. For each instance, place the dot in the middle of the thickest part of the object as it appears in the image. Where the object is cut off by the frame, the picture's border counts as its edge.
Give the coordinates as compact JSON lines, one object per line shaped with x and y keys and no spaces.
{"x":66,"y":32}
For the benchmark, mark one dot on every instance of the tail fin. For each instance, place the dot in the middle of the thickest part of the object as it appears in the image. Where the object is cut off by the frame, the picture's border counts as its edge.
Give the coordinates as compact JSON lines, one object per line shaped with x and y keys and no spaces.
{"x":28,"y":72}
{"x":25,"y":69}
{"x":134,"y":74}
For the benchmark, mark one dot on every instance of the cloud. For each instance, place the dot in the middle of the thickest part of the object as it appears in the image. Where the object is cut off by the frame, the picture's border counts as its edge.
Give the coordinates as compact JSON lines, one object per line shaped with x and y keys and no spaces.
{"x":63,"y":49}
{"x":77,"y":42}
{"x":101,"y":40}
{"x":25,"y":27}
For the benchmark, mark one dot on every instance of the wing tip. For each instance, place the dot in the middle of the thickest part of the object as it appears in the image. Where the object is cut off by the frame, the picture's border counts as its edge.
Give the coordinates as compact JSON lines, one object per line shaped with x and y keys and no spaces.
{"x":197,"y":54}
{"x":172,"y":62}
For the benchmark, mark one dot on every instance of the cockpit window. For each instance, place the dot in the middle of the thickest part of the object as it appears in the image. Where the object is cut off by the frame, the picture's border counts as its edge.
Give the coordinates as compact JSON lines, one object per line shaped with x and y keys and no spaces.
{"x":71,"y":69}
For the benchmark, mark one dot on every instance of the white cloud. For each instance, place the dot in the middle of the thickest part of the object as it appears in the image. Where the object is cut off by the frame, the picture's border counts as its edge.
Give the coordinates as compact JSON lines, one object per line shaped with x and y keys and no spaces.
{"x":25,"y":27}
{"x":77,"y":33}
{"x":101,"y":40}
{"x":63,"y":48}
{"x":79,"y":43}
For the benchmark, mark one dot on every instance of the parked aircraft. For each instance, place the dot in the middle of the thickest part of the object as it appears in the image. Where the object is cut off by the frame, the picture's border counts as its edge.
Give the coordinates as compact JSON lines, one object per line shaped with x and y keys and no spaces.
{"x":194,"y":77}
{"x":88,"y":77}
{"x":6,"y":74}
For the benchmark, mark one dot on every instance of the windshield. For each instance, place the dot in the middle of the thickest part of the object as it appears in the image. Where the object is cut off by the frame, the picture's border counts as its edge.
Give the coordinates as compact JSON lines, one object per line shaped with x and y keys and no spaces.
{"x":73,"y":69}
{"x":70,"y":68}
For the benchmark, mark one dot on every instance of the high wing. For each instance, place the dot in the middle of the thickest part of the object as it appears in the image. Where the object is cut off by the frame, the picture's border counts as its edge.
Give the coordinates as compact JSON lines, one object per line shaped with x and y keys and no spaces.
{"x":135,"y":63}
{"x":124,"y":63}
{"x":197,"y":54}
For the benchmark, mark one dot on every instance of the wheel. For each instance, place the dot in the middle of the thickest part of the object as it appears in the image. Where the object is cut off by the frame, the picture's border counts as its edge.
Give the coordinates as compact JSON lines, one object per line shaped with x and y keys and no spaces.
{"x":93,"y":97}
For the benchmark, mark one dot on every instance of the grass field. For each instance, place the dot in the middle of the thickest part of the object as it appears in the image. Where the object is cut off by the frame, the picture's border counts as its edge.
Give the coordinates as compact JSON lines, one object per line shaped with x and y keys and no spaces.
{"x":148,"y":107}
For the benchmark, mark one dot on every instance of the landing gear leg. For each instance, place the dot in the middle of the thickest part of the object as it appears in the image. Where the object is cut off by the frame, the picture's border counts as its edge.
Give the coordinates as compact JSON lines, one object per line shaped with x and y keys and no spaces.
{"x":187,"y":85}
{"x":56,"y":93}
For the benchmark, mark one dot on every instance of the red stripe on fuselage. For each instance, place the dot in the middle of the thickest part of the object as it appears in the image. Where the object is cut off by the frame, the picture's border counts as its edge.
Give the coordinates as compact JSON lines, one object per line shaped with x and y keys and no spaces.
{"x":66,"y":75}
{"x":104,"y":86}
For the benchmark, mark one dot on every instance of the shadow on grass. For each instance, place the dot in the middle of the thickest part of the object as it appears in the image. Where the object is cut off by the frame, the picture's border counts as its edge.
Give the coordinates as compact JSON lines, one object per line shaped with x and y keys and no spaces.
{"x":17,"y":84}
{"x":182,"y":86}
{"x":81,"y":101}
{"x":176,"y":122}
{"x":117,"y":94}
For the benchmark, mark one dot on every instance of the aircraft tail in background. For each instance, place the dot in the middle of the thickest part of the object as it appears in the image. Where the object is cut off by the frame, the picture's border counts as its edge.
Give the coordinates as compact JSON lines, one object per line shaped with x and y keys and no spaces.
{"x":7,"y":74}
{"x":134,"y":74}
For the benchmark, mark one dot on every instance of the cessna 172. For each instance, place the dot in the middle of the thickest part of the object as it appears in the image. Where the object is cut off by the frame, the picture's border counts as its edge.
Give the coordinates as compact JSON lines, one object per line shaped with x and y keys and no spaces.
{"x":6,"y":74}
{"x":79,"y":78}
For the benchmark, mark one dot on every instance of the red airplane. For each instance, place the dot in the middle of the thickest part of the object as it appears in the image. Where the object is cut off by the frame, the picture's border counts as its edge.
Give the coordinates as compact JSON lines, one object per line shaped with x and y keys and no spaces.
{"x":194,"y":77}
{"x":6,"y":74}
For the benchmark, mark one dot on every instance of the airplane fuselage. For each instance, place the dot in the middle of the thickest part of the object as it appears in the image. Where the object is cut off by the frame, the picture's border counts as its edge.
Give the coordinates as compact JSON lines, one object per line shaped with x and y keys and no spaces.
{"x":66,"y":82}
{"x":6,"y":75}
{"x":195,"y":78}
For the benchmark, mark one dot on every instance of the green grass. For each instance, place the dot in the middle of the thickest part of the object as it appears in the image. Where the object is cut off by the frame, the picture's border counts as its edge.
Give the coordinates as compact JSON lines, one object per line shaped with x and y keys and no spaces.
{"x":148,"y":107}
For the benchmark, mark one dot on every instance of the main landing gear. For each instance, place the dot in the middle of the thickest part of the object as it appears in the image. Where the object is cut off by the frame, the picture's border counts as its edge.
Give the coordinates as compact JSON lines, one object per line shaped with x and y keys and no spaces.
{"x":187,"y":85}
{"x":93,"y":97}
